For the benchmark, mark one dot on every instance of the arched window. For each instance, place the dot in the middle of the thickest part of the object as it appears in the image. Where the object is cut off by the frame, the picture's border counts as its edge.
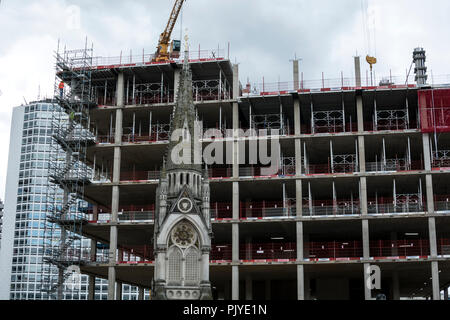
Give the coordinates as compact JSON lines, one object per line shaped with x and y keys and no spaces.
{"x":183,"y":256}
{"x":192,"y":275}
{"x":175,"y":264}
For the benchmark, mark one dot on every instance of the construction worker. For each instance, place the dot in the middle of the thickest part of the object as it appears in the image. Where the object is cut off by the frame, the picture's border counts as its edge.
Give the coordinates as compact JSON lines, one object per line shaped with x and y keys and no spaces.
{"x":61,"y":89}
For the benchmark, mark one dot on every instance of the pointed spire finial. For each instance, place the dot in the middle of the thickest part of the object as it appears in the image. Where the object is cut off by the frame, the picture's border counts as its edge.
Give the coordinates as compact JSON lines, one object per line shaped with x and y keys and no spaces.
{"x":186,"y":41}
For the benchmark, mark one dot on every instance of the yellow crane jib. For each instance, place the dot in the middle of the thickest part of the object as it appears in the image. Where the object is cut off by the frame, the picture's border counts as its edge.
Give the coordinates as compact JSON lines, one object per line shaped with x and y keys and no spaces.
{"x":162,"y":52}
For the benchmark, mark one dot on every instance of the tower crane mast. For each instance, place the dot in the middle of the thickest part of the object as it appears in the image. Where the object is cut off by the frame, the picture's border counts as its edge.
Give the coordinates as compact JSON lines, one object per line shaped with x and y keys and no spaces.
{"x":162,"y":52}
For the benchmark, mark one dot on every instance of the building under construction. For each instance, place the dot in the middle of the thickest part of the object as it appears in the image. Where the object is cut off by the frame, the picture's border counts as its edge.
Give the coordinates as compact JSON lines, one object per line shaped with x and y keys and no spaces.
{"x":362,"y":182}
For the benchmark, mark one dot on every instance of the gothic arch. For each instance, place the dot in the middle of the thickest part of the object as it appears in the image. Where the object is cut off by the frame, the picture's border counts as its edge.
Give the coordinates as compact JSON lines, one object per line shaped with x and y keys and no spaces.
{"x":174,"y":220}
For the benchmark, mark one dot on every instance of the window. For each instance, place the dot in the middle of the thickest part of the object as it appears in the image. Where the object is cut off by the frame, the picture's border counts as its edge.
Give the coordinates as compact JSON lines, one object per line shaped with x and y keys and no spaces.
{"x":192,"y":266}
{"x":175,"y":265}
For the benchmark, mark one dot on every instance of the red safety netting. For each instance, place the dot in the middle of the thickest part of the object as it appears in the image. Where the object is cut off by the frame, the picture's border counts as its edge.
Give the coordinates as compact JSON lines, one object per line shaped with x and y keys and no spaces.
{"x":434,"y":106}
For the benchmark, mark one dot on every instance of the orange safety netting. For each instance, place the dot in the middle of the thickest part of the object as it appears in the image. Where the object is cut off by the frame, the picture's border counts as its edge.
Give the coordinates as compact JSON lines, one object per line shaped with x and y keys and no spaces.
{"x":434,"y":106}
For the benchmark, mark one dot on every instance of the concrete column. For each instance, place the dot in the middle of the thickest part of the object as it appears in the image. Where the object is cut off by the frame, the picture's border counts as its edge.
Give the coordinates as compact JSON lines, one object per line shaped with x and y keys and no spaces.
{"x":429,"y":193}
{"x":297,"y":120}
{"x":112,"y":262}
{"x":358,"y":71}
{"x":235,"y":227}
{"x":236,"y":84}
{"x":111,"y":283}
{"x":93,"y":250}
{"x":91,"y":288}
{"x":115,"y":189}
{"x":395,"y":286}
{"x":248,"y":288}
{"x":434,"y":253}
{"x":363,"y":196}
{"x":296,"y":74}
{"x":432,"y":233}
{"x":361,"y":154}
{"x":365,"y":236}
{"x":426,"y":151}
{"x":446,"y":294}
{"x":268,"y":289}
{"x":120,"y":90}
{"x":141,"y":294}
{"x":361,"y":142}
{"x":298,"y":198}
{"x":300,"y":244}
{"x":236,"y":93}
{"x":119,"y":291}
{"x":366,"y":256}
{"x":435,"y":280}
{"x":300,"y":268}
{"x":235,"y":283}
{"x":236,"y":201}
{"x":235,"y":246}
{"x":235,"y":242}
{"x":95,"y":213}
{"x":360,"y":112}
{"x":298,"y":159}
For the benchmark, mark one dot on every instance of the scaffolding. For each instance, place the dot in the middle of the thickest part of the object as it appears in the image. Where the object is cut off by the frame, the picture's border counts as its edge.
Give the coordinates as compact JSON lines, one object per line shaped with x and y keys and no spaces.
{"x":328,"y":121}
{"x":148,"y":93}
{"x":63,"y":250}
{"x":441,"y":159}
{"x":391,"y":120}
{"x":216,"y":89}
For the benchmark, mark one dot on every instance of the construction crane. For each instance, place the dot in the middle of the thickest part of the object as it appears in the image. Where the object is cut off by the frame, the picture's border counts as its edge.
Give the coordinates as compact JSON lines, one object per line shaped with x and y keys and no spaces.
{"x":162,"y":52}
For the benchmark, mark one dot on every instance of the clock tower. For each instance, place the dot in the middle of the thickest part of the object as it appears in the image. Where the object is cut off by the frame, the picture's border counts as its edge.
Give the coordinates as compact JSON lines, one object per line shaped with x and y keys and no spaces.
{"x":182,"y":237}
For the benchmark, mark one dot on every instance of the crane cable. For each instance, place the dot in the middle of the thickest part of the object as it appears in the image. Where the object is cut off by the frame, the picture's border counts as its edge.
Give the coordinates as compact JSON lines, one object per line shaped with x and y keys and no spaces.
{"x":369,"y":27}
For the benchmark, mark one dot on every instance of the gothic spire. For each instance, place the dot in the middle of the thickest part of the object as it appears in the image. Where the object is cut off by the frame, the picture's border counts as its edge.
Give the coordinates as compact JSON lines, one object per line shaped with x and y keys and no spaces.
{"x":184,"y":121}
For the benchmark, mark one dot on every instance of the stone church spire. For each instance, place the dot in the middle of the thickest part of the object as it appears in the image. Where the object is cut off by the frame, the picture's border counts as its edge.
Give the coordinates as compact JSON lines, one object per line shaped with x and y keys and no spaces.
{"x":185,"y":151}
{"x":182,"y":233}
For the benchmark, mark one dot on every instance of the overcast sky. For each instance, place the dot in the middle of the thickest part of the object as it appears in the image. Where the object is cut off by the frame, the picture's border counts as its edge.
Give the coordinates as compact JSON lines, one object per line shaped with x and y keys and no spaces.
{"x":264,"y":35}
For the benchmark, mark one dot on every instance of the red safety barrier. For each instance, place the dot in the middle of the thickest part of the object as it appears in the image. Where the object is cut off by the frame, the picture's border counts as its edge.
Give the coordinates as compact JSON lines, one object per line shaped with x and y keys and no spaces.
{"x":221,"y":252}
{"x":264,"y":251}
{"x":334,"y":249}
{"x":287,"y":251}
{"x":399,"y":248}
{"x":221,"y":210}
{"x":266,"y":209}
{"x":220,"y":172}
{"x":443,"y":247}
{"x":349,"y":127}
{"x":434,"y":106}
{"x":141,"y":254}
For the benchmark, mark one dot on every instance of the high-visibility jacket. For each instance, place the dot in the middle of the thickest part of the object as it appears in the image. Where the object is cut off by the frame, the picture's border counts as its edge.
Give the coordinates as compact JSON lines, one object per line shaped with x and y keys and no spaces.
{"x":61,"y":85}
